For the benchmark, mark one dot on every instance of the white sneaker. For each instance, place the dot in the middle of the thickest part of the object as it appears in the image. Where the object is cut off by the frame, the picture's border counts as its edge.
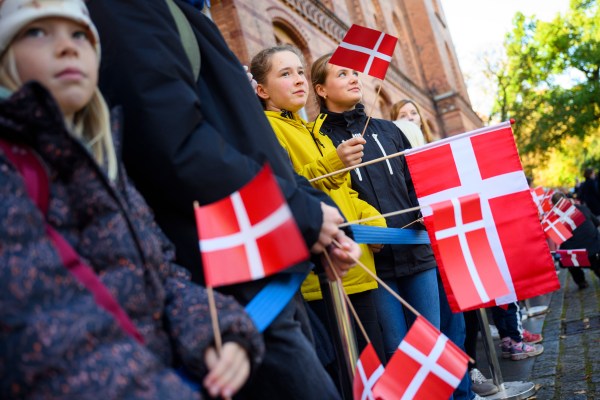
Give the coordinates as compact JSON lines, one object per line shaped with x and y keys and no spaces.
{"x":494,"y":332}
{"x":480,"y":385}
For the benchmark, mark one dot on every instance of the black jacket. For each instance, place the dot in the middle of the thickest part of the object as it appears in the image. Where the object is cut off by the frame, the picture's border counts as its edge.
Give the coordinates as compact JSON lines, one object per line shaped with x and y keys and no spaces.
{"x":187,"y":140}
{"x":386,"y":185}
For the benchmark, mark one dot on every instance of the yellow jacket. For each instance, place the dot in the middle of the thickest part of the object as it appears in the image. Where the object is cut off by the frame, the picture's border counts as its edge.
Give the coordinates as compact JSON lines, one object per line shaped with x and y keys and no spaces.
{"x":315,"y":155}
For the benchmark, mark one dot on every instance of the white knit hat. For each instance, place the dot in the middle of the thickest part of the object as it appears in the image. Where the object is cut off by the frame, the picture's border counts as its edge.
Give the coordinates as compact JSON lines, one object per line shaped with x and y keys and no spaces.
{"x":16,"y":14}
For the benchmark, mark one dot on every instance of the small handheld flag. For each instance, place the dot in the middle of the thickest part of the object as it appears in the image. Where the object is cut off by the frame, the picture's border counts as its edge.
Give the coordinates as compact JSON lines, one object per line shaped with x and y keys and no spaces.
{"x":365,"y":50}
{"x":248,"y":235}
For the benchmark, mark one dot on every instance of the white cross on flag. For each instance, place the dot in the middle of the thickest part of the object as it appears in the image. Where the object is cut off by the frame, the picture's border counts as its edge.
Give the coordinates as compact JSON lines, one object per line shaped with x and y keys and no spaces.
{"x":556,"y":230}
{"x":426,"y":366}
{"x":542,"y":198}
{"x":486,"y":162}
{"x":566,"y":212}
{"x":365,"y":50}
{"x":464,"y":248}
{"x":574,"y":258}
{"x":248,"y":235}
{"x":368,"y":371}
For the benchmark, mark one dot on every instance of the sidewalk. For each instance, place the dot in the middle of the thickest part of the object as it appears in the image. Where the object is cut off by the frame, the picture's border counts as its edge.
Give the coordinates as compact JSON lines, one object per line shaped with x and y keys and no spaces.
{"x":569,"y":367}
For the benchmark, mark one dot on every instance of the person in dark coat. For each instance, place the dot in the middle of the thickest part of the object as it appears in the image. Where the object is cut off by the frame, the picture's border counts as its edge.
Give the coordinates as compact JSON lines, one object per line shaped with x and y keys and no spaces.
{"x":194,"y":131}
{"x":91,"y":304}
{"x":585,"y":236}
{"x":589,"y":192}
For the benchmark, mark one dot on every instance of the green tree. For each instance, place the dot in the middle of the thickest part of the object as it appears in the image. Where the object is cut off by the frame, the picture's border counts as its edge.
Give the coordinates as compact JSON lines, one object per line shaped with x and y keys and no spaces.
{"x":550,"y":84}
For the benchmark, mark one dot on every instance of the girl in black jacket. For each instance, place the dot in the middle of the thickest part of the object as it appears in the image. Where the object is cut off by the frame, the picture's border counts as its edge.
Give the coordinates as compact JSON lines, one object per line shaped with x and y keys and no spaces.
{"x":409,"y":269}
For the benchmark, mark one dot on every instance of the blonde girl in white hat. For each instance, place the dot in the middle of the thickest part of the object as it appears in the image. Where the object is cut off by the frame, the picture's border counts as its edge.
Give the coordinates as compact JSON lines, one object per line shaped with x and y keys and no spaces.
{"x":90,"y":305}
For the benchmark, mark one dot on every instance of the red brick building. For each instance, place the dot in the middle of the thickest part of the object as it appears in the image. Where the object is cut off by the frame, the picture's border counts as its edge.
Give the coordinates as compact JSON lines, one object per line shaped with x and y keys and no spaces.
{"x":424,"y":67}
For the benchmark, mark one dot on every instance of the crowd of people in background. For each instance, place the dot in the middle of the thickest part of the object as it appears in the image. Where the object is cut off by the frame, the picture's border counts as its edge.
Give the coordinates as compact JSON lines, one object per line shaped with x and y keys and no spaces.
{"x":102,"y":284}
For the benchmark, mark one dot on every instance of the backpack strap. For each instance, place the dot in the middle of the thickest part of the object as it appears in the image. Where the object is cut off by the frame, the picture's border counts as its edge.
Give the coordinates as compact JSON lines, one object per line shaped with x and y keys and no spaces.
{"x":188,"y":39}
{"x":38,"y":188}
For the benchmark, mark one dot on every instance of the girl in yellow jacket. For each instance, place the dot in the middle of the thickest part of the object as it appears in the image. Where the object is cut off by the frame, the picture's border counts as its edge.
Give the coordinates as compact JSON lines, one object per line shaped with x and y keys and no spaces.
{"x":283,"y":91}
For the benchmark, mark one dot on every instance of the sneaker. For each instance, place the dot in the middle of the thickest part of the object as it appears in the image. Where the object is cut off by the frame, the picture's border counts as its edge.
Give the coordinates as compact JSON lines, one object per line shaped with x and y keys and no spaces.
{"x":480,"y":385}
{"x":494,"y":332}
{"x":522,"y":350}
{"x":532,"y":338}
{"x":506,"y":347}
{"x":582,"y":285}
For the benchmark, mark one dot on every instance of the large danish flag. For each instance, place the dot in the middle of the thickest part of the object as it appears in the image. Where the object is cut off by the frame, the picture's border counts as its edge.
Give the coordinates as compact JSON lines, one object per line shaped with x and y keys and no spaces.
{"x":486,"y":162}
{"x":574,"y":258}
{"x":365,"y":50}
{"x":426,"y":366}
{"x":249,"y":234}
{"x":368,"y":371}
{"x":465,"y":250}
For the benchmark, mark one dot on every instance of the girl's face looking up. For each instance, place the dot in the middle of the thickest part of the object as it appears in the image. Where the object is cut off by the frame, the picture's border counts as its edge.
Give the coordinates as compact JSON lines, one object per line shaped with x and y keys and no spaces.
{"x":285,"y":86}
{"x":59,"y":54}
{"x":342,"y":89}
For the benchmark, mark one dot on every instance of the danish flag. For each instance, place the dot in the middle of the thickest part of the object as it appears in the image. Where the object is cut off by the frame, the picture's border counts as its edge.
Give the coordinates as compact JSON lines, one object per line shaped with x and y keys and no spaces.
{"x":486,"y":162}
{"x":249,"y":234}
{"x":556,"y":230}
{"x":426,"y":366}
{"x":542,"y":198}
{"x":465,"y":250}
{"x":365,"y":50}
{"x":368,"y":371}
{"x":567,"y":213}
{"x":574,"y":258}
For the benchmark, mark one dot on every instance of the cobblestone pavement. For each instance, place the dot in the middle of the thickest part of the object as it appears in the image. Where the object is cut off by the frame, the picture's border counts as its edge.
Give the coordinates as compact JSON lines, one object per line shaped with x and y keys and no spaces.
{"x":569,"y":367}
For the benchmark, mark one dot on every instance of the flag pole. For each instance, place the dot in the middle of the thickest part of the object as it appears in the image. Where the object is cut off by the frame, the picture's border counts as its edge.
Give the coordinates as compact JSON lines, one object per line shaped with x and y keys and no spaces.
{"x":348,"y":302}
{"x":213,"y":316}
{"x":371,"y":110}
{"x":364,"y":164}
{"x":383,"y":284}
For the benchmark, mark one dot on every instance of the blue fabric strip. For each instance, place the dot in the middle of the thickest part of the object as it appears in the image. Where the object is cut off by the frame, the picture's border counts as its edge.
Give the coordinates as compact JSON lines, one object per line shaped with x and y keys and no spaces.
{"x":269,"y":302}
{"x":379,"y":235}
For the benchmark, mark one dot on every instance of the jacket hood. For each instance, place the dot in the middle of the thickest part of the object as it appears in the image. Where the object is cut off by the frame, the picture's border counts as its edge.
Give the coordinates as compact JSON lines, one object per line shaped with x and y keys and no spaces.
{"x":31,"y":106}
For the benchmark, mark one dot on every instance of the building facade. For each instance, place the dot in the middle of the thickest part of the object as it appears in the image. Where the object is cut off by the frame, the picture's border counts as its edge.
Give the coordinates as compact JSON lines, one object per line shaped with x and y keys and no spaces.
{"x":424,"y":66}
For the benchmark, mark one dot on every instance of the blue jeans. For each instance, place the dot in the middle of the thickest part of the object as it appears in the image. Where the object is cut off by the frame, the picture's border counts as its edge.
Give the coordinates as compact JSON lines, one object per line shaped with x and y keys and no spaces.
{"x":420,"y":291}
{"x":508,"y":321}
{"x":453,"y":326}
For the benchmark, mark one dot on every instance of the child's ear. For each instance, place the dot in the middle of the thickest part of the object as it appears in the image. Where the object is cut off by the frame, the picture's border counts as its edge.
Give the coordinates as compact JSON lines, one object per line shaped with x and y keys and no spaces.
{"x":262,"y":92}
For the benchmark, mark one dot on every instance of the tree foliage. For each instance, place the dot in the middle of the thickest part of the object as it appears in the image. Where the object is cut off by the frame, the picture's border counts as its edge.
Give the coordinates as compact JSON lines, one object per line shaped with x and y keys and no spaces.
{"x":549,"y":83}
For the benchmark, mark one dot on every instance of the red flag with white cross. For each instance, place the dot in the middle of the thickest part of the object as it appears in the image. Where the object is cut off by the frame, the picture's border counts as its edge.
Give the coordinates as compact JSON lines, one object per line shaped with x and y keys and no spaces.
{"x":426,"y":366}
{"x":248,"y":235}
{"x":486,"y":162}
{"x":365,"y":50}
{"x":368,"y":371}
{"x":464,"y":247}
{"x":556,"y":230}
{"x":574,"y":258}
{"x":567,"y":213}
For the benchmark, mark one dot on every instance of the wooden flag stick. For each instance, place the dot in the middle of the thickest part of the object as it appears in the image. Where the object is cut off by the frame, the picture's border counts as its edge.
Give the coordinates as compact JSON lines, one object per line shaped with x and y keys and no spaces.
{"x":383,"y":284}
{"x":371,"y":110}
{"x":414,"y":222}
{"x":390,"y":214}
{"x":215,"y":323}
{"x":364,"y":164}
{"x":350,"y":306}
{"x":213,"y":316}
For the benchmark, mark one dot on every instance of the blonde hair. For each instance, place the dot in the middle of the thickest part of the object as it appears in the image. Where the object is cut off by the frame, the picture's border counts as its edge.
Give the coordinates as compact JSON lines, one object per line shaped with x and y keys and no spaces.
{"x":424,"y":124}
{"x":91,"y":124}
